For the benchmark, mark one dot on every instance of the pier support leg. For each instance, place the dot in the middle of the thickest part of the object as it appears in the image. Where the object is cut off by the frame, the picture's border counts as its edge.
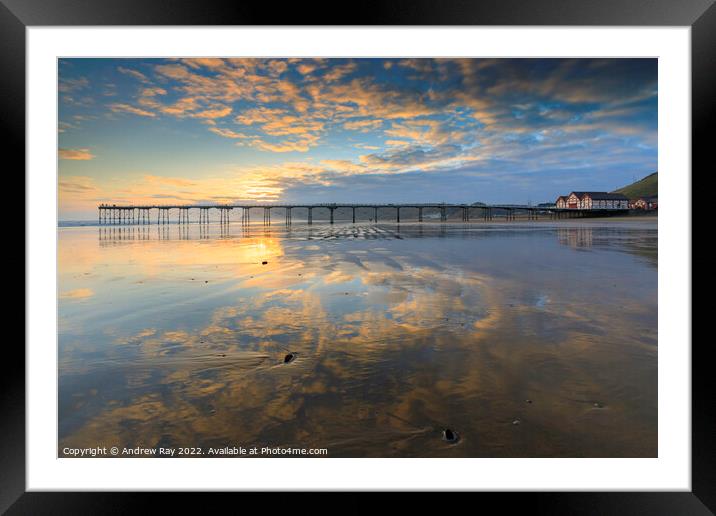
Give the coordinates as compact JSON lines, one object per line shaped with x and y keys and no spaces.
{"x":310,"y":215}
{"x":398,"y":216}
{"x":331,"y":209}
{"x":376,"y":214}
{"x":420,"y":214}
{"x":354,"y":215}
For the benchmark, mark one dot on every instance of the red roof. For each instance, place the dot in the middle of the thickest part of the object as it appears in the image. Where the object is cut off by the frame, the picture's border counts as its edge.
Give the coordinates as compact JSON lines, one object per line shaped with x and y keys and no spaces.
{"x":601,"y":196}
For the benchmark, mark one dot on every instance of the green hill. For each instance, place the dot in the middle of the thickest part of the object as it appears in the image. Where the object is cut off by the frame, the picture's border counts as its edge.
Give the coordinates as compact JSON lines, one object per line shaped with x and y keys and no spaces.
{"x":647,"y":187}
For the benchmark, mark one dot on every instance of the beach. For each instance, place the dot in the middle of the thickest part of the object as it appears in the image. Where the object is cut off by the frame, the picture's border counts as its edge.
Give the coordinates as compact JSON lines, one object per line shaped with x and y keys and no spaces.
{"x":524,"y":339}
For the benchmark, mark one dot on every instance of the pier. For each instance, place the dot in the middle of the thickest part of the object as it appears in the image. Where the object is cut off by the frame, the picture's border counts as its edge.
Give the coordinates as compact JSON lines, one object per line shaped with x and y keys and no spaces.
{"x":114,"y":214}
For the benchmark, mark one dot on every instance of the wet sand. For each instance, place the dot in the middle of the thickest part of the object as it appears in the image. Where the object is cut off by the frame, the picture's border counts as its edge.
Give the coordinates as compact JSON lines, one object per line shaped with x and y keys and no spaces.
{"x":525,"y":339}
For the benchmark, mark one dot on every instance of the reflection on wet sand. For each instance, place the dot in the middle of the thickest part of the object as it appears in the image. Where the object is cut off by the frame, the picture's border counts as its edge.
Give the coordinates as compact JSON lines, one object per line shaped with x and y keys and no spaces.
{"x":515,"y":337}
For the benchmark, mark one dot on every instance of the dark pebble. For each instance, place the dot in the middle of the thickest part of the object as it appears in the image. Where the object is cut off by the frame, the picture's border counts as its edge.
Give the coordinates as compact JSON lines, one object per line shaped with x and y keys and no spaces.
{"x":450,"y":436}
{"x":289,"y":358}
{"x":206,"y":281}
{"x":264,"y":263}
{"x":528,"y":401}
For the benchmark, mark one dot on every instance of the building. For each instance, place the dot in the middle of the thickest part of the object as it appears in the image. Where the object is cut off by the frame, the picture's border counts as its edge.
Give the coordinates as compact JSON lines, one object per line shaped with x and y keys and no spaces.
{"x":593,"y":201}
{"x":646,"y":203}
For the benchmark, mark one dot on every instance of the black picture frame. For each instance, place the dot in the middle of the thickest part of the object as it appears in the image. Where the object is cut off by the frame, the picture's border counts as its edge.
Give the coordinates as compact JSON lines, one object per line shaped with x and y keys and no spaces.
{"x":17,"y":15}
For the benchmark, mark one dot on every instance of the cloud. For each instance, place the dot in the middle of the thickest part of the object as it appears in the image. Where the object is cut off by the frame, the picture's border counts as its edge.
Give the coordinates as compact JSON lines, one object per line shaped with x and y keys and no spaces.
{"x":77,"y":193}
{"x":126,"y":108}
{"x":338,"y":72}
{"x":65,"y":126}
{"x":306,"y":68}
{"x":206,"y":62}
{"x":259,"y":115}
{"x":75,"y":154}
{"x":174,"y":71}
{"x":227,"y":133}
{"x":213,"y":112}
{"x":77,"y":184}
{"x":134,"y":73}
{"x":151,"y":92}
{"x":302,"y":145}
{"x":179,"y":108}
{"x":343,"y":165}
{"x":502,"y":118}
{"x":68,"y":85}
{"x":363,"y":125}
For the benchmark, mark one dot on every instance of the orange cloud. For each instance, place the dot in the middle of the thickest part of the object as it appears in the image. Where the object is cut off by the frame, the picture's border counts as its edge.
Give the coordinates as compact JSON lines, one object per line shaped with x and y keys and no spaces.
{"x":151,"y":92}
{"x":134,"y":73}
{"x":258,"y":115}
{"x":363,"y":125}
{"x":126,"y":108}
{"x":306,"y":68}
{"x":227,"y":133}
{"x":76,"y":154}
{"x":214,"y":112}
{"x":285,"y":146}
{"x":180,"y":107}
{"x":206,"y":62}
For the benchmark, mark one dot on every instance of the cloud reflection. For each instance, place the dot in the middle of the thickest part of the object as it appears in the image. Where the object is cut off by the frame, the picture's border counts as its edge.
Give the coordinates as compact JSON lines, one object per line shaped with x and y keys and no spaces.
{"x":390,"y":346}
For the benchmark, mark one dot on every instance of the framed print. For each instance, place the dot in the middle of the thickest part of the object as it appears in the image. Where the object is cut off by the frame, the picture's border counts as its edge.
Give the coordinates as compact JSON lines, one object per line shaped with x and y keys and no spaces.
{"x":331,"y":256}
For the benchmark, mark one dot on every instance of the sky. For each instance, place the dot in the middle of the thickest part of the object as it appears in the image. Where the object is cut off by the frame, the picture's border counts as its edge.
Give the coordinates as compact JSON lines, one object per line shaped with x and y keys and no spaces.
{"x":220,"y":130}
